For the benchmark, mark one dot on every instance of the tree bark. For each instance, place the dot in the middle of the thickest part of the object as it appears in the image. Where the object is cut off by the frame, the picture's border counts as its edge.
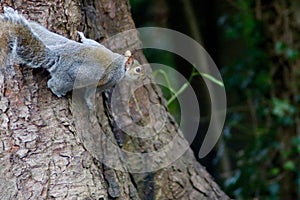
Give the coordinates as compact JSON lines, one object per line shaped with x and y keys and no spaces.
{"x":43,"y":155}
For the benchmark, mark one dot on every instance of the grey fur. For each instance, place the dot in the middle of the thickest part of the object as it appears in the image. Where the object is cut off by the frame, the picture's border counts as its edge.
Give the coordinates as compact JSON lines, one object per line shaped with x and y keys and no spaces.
{"x":66,"y":60}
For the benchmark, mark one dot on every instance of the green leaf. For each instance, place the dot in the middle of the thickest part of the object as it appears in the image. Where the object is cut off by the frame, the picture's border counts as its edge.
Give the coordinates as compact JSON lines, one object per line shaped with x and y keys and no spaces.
{"x":212,"y":79}
{"x":274,"y":171}
{"x":282,"y":107}
{"x":280,"y":47}
{"x":289,"y":165}
{"x":292,"y":54}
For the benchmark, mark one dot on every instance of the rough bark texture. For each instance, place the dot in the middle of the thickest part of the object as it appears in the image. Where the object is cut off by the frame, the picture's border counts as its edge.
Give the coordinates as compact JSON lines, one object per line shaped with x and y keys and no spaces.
{"x":44,"y":156}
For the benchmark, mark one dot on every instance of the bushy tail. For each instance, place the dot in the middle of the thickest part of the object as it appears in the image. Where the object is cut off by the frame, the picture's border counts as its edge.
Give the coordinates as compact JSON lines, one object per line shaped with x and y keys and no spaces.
{"x":17,"y":39}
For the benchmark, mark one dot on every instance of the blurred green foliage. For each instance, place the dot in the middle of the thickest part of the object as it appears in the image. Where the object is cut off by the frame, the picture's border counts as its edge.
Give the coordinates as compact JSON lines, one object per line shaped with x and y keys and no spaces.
{"x":261,"y":73}
{"x":269,"y":159}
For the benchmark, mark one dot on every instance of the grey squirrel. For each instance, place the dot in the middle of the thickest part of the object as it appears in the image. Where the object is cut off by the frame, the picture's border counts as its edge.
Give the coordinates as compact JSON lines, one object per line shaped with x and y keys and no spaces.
{"x":89,"y":63}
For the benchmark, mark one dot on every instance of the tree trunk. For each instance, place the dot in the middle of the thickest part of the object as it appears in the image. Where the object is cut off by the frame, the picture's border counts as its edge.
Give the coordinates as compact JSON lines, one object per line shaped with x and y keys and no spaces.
{"x":44,"y":155}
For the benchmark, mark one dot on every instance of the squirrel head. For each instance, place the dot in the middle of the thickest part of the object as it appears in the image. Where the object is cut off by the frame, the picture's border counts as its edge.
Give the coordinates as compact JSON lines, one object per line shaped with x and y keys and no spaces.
{"x":133,"y":69}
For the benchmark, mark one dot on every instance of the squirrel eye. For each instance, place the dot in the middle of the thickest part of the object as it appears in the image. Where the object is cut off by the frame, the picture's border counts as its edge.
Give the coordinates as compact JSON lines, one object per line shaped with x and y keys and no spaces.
{"x":138,"y":70}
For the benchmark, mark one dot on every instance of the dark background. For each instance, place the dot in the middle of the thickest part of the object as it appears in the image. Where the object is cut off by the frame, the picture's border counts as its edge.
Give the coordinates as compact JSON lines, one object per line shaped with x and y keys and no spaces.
{"x":255,"y":44}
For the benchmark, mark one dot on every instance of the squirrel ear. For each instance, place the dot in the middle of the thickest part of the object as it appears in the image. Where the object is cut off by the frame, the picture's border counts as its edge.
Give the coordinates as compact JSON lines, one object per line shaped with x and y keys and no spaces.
{"x":81,"y":36}
{"x":130,"y":59}
{"x":128,"y":53}
{"x":128,"y":63}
